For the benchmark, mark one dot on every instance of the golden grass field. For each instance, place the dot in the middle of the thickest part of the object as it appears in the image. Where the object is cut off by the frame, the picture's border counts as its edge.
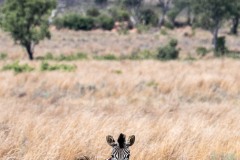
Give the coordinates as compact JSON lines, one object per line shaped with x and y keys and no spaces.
{"x":178,"y":110}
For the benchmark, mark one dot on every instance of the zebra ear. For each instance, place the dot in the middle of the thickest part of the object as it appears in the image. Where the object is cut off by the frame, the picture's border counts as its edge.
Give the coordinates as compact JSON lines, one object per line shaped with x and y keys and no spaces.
{"x":131,"y":140}
{"x":110,"y":140}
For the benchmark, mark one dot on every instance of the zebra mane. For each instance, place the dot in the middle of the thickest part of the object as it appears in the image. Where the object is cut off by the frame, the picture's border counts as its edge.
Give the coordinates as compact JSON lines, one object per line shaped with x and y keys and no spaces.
{"x":121,"y":140}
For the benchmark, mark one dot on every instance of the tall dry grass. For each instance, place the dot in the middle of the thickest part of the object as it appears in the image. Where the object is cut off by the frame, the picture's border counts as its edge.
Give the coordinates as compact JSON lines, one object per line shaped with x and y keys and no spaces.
{"x":177,"y":110}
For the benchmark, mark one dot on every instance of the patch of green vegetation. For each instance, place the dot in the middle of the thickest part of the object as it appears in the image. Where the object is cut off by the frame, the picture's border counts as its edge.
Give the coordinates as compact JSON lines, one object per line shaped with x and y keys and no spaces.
{"x":105,"y":22}
{"x":106,"y":57}
{"x":94,"y":12}
{"x":169,"y":25}
{"x":62,"y":57}
{"x":163,"y":31}
{"x":3,"y":56}
{"x":75,"y":22}
{"x":117,"y":71}
{"x":221,"y":49}
{"x":168,"y":52}
{"x":45,"y":66}
{"x":142,"y":28}
{"x":148,"y":17}
{"x":202,"y":51}
{"x":144,"y":54}
{"x":18,"y":68}
{"x":152,"y":84}
{"x":233,"y":54}
{"x":72,"y":57}
{"x":228,"y":156}
{"x":119,"y":14}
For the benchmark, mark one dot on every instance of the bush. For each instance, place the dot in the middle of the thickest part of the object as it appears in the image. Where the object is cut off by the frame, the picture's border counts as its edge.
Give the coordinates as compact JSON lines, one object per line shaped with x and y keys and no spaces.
{"x":106,"y":22}
{"x":169,"y":25}
{"x":221,"y":47}
{"x":75,"y":22}
{"x":119,"y":14}
{"x":18,"y":68}
{"x":45,"y":66}
{"x":148,"y":17}
{"x":201,"y":51}
{"x":169,"y":51}
{"x":94,"y":12}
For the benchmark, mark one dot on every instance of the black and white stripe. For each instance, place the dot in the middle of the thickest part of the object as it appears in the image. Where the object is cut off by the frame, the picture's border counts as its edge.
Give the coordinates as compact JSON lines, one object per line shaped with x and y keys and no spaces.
{"x":120,"y":153}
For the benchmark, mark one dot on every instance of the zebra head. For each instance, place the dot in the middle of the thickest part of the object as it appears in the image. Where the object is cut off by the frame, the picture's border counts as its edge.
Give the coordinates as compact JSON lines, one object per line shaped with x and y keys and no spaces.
{"x":120,"y":149}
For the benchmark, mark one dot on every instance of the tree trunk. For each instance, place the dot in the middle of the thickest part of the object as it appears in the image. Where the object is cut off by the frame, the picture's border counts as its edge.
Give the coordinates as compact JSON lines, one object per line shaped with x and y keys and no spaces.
{"x":235,"y":22}
{"x":215,"y":37}
{"x":29,"y":51}
{"x":162,"y":18}
{"x":189,"y":16}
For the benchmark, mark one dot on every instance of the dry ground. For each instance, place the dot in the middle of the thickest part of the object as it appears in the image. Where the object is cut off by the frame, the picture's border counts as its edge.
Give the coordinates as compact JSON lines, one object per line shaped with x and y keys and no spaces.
{"x":177,"y":110}
{"x":104,"y":42}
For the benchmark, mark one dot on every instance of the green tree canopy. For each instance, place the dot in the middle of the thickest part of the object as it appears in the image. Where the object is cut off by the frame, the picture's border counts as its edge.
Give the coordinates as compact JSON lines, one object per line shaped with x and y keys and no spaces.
{"x":27,"y":21}
{"x":211,"y":14}
{"x":235,"y":15}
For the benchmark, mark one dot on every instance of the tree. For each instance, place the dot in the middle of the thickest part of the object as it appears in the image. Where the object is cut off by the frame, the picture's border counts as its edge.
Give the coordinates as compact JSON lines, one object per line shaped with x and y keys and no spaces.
{"x":134,"y":7}
{"x":27,"y":21}
{"x":101,"y":3}
{"x":211,"y":14}
{"x":178,"y":7}
{"x":235,"y":15}
{"x":164,"y":6}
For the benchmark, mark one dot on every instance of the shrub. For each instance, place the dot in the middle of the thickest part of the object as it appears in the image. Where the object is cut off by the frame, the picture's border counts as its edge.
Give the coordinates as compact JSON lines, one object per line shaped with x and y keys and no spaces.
{"x":119,"y":14}
{"x":45,"y":66}
{"x":221,"y":46}
{"x":169,"y":51}
{"x":59,"y":22}
{"x":94,"y":12}
{"x":75,"y":22}
{"x":18,"y":68}
{"x":169,"y":25}
{"x":201,"y":51}
{"x":106,"y":22}
{"x":148,"y":17}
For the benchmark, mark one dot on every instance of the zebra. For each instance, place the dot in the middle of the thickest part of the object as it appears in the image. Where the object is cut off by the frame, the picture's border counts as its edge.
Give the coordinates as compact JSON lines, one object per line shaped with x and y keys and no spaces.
{"x":120,"y":149}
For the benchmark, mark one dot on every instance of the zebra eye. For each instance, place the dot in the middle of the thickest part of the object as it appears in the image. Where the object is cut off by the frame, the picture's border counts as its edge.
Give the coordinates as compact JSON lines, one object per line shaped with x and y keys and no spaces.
{"x":128,"y":156}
